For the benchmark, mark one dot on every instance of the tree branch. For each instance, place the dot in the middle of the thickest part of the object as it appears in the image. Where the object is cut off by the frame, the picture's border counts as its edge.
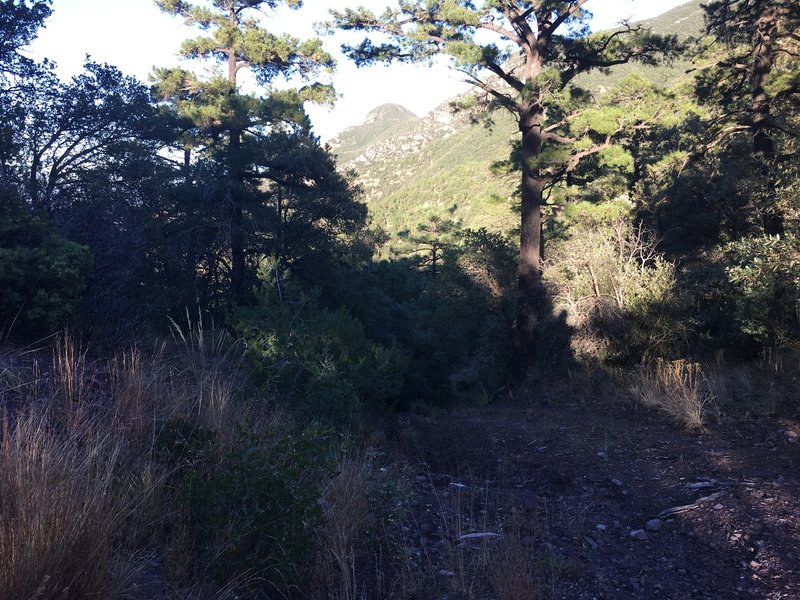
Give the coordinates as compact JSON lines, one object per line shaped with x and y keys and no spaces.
{"x":571,"y":10}
{"x":491,"y":26}
{"x":502,"y":99}
{"x":507,"y":77}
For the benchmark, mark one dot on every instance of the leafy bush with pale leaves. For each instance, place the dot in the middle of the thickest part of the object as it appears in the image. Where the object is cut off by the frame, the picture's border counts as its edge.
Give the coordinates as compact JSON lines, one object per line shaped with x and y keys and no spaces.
{"x":765,"y":273}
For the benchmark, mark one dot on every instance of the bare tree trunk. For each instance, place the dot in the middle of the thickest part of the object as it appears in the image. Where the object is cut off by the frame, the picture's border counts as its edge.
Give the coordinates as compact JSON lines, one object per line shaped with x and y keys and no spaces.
{"x":192,"y":295}
{"x":530,"y":301}
{"x":238,"y":265}
{"x":763,"y":144}
{"x":235,"y":221}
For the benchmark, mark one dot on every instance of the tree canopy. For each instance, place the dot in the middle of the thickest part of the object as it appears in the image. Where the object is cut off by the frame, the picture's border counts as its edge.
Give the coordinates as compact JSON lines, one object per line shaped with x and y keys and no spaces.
{"x":237,"y":131}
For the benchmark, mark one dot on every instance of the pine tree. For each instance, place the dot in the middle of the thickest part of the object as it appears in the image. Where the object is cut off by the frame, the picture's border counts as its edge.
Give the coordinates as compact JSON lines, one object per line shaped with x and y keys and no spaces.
{"x":750,"y":76}
{"x":523,"y":56}
{"x":225,"y":116}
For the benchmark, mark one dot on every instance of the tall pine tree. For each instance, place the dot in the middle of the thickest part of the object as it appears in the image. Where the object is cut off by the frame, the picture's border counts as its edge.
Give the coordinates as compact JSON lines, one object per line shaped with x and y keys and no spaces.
{"x":224,"y":116}
{"x":523,"y":56}
{"x":750,"y":77}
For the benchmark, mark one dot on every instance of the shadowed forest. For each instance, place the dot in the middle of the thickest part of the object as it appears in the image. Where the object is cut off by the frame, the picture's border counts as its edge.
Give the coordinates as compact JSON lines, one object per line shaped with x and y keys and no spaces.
{"x":545,"y":348}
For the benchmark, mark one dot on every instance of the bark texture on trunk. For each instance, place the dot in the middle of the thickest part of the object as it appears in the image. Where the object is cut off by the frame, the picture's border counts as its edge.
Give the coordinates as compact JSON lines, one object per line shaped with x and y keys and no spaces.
{"x":763,"y":144}
{"x":530,"y":300}
{"x":235,"y":189}
{"x":236,"y":222}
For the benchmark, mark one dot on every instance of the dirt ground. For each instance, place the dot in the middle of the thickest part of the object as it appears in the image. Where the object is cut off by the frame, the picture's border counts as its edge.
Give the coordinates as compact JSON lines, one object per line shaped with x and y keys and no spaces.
{"x":569,"y":497}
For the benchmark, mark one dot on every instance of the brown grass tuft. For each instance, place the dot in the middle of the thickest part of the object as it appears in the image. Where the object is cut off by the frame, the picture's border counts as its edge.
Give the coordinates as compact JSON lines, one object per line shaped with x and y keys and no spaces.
{"x":678,"y":388}
{"x":62,"y":504}
{"x":347,"y":512}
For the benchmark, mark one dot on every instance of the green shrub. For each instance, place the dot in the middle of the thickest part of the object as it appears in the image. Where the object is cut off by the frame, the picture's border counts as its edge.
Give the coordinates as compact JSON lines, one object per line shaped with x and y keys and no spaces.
{"x":251,"y":505}
{"x":765,"y":273}
{"x":42,"y":275}
{"x":320,"y":359}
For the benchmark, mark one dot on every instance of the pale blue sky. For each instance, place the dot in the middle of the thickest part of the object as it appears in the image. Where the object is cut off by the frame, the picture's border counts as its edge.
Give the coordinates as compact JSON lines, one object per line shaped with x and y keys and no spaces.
{"x":135,"y":36}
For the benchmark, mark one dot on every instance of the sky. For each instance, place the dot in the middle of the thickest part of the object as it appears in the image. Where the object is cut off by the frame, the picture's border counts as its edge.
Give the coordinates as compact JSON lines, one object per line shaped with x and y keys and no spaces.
{"x":135,"y":36}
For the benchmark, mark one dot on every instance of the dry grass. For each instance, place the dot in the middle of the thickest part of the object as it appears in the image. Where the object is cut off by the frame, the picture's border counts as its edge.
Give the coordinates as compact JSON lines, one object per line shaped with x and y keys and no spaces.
{"x":766,"y":386}
{"x":88,"y":491}
{"x":62,"y":502}
{"x":678,"y":388}
{"x":347,"y":514}
{"x":479,"y":553}
{"x":81,"y":494}
{"x":514,"y":568}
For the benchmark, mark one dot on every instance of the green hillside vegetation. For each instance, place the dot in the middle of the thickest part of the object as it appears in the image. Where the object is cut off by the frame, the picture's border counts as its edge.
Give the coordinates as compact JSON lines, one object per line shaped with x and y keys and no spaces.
{"x":451,"y":177}
{"x":685,"y":21}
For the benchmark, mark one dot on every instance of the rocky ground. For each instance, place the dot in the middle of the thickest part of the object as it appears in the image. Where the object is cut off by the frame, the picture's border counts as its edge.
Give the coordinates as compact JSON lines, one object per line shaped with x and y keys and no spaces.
{"x":525,"y":500}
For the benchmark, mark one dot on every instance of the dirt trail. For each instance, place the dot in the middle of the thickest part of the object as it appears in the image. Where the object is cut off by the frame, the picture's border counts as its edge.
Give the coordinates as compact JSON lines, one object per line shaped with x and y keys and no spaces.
{"x":579,"y":487}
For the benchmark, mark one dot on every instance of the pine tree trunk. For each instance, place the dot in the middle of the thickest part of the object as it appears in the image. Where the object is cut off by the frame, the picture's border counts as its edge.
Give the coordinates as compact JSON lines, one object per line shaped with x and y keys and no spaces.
{"x":763,"y":144}
{"x":191,"y":296}
{"x":235,"y":222}
{"x":530,"y":300}
{"x":235,"y":190}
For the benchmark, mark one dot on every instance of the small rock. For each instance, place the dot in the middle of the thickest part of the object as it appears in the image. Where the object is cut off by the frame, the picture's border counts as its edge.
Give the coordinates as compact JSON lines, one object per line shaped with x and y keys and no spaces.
{"x":591,"y":542}
{"x":654,"y":524}
{"x":701,"y":485}
{"x":639,"y":534}
{"x":446,"y":573}
{"x":616,"y":482}
{"x":791,"y":439}
{"x":600,"y":527}
{"x":602,"y":454}
{"x":681,"y":572}
{"x":478,"y":536}
{"x":718,"y":507}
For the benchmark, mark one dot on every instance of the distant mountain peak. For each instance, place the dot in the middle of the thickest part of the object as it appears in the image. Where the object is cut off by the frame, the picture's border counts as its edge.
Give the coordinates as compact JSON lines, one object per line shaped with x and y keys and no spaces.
{"x":382,"y":122}
{"x":389,"y":112}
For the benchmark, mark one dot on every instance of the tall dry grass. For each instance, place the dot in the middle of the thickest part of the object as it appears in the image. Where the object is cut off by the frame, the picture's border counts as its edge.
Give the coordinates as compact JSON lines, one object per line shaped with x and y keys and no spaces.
{"x":347,"y":512}
{"x":679,"y":388}
{"x":477,"y":552}
{"x":82,"y":496}
{"x":63,"y":500}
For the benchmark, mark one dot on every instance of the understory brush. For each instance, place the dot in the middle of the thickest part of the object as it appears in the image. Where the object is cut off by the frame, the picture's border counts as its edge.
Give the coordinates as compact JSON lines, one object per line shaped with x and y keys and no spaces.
{"x":319,"y":361}
{"x":164,"y":472}
{"x":615,"y":290}
{"x":693,"y":394}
